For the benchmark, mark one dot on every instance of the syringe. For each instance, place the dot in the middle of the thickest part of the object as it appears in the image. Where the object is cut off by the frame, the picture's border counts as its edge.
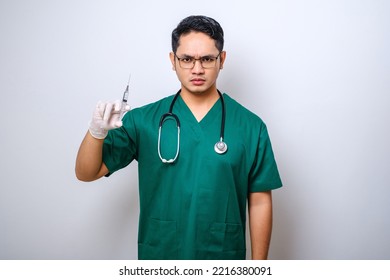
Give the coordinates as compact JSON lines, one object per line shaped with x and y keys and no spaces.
{"x":124,"y":98}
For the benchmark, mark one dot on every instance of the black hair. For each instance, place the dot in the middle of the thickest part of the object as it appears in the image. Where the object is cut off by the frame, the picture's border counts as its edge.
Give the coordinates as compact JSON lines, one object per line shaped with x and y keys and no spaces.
{"x":202,"y":24}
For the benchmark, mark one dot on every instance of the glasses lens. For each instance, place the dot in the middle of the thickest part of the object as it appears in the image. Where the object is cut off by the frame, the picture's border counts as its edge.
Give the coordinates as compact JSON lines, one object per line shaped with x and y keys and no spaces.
{"x":189,"y":62}
{"x":208,"y":62}
{"x":186,"y":63}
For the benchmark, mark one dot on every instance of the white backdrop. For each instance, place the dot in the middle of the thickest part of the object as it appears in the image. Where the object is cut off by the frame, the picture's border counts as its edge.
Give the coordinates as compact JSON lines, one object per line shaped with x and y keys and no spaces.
{"x":317,"y":72}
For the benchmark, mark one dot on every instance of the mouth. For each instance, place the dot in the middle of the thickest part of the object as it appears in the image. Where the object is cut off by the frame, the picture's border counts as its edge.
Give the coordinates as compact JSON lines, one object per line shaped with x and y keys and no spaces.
{"x":197,"y":81}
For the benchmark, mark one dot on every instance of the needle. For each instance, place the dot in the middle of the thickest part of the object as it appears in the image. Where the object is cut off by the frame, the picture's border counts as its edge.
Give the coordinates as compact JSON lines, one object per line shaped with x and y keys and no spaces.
{"x":125,"y":98}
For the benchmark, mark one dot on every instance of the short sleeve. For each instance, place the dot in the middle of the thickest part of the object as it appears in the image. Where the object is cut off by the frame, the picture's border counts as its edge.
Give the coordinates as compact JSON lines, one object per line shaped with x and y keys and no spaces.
{"x":119,"y":148}
{"x":264,"y":174}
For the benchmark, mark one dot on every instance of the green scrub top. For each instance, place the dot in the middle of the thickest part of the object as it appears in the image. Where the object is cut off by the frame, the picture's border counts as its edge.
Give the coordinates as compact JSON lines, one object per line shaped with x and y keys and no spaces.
{"x":194,"y":208}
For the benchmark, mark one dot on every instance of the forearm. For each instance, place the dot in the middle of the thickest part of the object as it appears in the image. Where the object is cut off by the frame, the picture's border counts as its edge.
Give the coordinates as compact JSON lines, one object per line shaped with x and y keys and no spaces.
{"x":260,"y":223}
{"x":89,"y":164}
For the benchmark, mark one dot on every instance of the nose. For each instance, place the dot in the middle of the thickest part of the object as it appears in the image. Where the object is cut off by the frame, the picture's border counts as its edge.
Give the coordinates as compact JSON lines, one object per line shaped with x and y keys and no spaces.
{"x":198,"y":68}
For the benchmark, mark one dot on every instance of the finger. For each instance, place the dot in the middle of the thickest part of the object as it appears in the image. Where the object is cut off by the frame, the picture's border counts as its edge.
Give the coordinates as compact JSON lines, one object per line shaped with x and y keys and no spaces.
{"x":100,"y":107}
{"x":107,"y":112}
{"x":118,"y":106}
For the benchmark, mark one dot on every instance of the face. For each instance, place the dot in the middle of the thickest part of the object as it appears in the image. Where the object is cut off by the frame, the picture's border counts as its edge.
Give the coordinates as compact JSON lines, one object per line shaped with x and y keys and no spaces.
{"x":197,"y":80}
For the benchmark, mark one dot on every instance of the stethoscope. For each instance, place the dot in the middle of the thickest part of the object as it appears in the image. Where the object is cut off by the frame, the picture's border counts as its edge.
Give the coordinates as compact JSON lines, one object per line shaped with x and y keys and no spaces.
{"x":220,"y":147}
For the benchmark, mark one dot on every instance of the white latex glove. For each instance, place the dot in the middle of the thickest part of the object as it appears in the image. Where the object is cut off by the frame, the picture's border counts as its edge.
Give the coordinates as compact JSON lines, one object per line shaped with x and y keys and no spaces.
{"x":107,"y":116}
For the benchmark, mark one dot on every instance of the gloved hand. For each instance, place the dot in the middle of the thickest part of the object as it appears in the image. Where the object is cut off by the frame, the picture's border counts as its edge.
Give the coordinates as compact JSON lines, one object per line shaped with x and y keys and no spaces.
{"x":107,"y":116}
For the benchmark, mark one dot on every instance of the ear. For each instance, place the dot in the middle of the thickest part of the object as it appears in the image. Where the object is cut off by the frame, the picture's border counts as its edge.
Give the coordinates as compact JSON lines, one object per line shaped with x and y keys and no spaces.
{"x":173,"y":62}
{"x":222,"y":59}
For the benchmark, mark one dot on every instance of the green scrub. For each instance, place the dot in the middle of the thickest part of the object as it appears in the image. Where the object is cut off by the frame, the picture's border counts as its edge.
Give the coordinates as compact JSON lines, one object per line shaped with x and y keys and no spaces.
{"x":194,"y":208}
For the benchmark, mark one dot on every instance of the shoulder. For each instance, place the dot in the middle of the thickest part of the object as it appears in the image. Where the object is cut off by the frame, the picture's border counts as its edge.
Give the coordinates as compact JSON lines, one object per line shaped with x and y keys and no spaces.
{"x":150,"y":110}
{"x":240,"y":113}
{"x":162,"y":103}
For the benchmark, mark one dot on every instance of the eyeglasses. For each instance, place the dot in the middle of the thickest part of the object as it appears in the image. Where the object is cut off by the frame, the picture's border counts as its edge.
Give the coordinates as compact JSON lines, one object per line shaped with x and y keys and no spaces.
{"x":188,"y":62}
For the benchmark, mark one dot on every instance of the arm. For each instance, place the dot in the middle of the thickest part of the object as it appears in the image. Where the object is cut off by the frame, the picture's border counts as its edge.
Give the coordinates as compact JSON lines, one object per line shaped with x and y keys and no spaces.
{"x":260,"y":223}
{"x":89,"y":161}
{"x":89,"y":164}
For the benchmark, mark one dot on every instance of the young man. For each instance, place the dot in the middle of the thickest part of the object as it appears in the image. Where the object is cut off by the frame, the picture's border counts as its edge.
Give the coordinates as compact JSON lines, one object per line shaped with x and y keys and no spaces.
{"x":193,"y":185}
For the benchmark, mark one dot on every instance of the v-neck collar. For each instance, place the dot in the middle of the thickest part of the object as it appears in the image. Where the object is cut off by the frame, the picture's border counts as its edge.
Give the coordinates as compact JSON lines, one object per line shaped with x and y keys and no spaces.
{"x":210,"y":116}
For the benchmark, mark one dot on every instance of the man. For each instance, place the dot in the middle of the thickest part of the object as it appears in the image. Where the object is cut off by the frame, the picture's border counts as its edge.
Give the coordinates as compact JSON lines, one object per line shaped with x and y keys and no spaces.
{"x":193,"y":192}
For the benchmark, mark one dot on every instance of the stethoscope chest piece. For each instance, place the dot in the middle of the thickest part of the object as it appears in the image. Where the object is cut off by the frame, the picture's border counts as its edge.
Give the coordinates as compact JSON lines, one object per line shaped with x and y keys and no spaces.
{"x":220,"y":147}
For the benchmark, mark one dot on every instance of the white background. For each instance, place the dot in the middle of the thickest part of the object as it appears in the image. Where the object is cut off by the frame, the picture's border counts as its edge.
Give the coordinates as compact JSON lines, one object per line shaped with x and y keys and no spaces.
{"x":317,"y":72}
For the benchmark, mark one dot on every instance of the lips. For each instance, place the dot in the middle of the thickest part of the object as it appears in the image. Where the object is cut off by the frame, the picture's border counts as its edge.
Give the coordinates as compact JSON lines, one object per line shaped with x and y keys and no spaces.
{"x":197,"y":81}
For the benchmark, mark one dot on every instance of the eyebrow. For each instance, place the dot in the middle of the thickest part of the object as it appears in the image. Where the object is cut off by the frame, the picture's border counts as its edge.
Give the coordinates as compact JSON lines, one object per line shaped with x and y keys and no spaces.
{"x":187,"y":55}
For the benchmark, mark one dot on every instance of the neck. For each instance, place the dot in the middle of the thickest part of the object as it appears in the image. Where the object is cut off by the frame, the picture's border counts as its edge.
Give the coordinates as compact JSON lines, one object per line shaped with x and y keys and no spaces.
{"x":200,"y":103}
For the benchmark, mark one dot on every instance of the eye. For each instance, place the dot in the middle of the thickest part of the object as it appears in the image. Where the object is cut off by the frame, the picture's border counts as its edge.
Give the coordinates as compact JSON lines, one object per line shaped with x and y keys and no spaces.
{"x":208,"y":59}
{"x":186,"y":59}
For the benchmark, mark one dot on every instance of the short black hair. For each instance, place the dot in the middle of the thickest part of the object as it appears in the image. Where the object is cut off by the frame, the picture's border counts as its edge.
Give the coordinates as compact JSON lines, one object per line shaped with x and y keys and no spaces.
{"x":202,"y":24}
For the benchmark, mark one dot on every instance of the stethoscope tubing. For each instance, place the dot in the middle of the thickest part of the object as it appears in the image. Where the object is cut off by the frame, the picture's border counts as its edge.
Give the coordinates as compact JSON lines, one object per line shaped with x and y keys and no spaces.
{"x":220,"y":147}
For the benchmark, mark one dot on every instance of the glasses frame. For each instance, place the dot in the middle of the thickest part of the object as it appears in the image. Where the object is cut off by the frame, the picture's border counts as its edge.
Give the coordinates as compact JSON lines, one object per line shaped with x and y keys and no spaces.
{"x":180,"y":59}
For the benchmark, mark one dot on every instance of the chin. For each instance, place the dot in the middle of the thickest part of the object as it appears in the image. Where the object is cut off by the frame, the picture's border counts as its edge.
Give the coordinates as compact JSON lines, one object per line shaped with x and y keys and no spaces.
{"x":198,"y":90}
